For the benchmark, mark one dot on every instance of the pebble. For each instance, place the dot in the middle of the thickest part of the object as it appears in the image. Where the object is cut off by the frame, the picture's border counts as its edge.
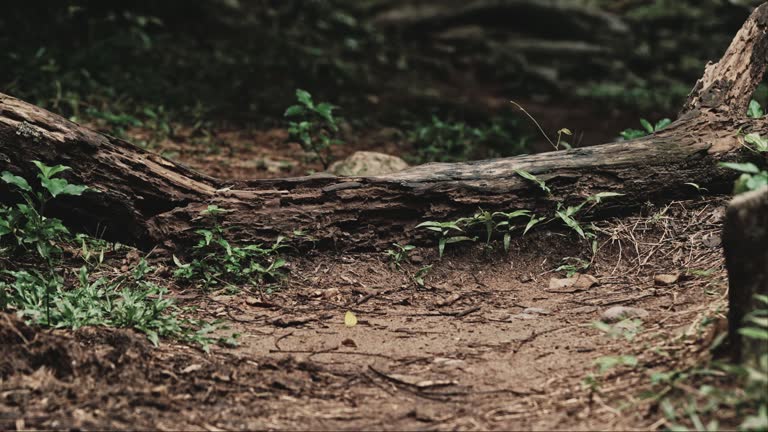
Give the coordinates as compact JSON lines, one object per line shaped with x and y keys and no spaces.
{"x":618,"y":313}
{"x":536,"y":311}
{"x":666,"y":279}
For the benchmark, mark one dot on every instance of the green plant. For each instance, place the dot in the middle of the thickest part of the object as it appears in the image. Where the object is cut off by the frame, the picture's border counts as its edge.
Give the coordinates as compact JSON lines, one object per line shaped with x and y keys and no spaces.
{"x":648,"y":128}
{"x":507,"y":225}
{"x":568,"y":214}
{"x":128,"y":301}
{"x":43,"y":296}
{"x":215,"y":260}
{"x":752,"y":177}
{"x":441,"y":140}
{"x":573,"y":265}
{"x":528,"y":176}
{"x":606,"y":363}
{"x":444,"y":229}
{"x":421,"y":273}
{"x":755,"y":110}
{"x":316,"y":128}
{"x":27,"y":225}
{"x":399,"y":254}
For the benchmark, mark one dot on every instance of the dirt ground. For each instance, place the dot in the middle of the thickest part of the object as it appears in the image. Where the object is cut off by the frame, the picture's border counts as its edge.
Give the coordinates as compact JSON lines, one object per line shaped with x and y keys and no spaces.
{"x":487,"y":344}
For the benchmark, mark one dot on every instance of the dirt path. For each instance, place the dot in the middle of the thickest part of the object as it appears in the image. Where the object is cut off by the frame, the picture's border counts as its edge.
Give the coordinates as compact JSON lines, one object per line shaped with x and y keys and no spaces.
{"x":486,"y":345}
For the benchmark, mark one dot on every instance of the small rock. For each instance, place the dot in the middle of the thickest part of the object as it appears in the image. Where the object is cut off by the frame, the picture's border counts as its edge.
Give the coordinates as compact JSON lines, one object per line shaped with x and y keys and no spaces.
{"x":618,"y":313}
{"x":536,"y":311}
{"x":416,"y":259}
{"x":524,"y":316}
{"x":712,"y":240}
{"x":575,"y":283}
{"x":525,"y":278}
{"x":666,"y":279}
{"x":349,"y":343}
{"x":365,"y":163}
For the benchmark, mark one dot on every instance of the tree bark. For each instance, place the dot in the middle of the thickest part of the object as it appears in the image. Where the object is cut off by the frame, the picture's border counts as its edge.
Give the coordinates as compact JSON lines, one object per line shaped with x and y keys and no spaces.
{"x":745,"y":240}
{"x":143,"y":199}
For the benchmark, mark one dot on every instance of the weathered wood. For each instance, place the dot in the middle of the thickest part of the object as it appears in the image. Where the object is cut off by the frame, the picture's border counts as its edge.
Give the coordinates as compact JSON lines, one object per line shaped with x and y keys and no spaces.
{"x":144,"y":199}
{"x":745,"y":241}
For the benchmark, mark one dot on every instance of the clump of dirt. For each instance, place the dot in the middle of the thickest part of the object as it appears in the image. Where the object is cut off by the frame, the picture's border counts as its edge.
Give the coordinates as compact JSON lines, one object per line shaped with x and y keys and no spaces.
{"x":96,"y":378}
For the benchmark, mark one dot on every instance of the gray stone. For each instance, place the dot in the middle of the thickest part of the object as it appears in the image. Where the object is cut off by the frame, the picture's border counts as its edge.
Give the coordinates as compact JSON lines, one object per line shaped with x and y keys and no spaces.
{"x":618,"y":313}
{"x":365,"y":163}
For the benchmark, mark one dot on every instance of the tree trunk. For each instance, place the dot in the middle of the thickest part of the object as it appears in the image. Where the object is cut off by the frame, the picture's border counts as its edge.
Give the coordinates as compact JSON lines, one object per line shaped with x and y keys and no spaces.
{"x":745,"y":239}
{"x":143,"y":199}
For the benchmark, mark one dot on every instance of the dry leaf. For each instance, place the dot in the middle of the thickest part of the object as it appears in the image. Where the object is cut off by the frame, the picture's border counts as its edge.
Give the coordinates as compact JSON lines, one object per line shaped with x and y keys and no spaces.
{"x":350,"y":320}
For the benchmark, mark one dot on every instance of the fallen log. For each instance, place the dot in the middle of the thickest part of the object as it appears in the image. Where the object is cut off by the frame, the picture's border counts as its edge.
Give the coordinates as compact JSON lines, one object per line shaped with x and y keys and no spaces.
{"x":141,"y":198}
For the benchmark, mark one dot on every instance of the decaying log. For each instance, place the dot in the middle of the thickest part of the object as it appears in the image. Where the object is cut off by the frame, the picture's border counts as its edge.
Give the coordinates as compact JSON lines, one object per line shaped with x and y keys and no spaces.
{"x":745,"y":241}
{"x":144,"y":199}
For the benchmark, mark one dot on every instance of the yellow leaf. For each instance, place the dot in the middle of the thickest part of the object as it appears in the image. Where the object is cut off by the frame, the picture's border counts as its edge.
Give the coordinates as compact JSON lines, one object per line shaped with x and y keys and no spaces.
{"x":350,"y":320}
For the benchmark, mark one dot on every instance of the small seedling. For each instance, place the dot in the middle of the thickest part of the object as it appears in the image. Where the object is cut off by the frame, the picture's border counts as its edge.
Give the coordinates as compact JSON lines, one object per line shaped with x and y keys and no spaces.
{"x":445,"y":229}
{"x":755,"y":110}
{"x":418,"y":277}
{"x":506,"y":224}
{"x":528,"y":176}
{"x":607,"y":363}
{"x":648,"y":129}
{"x":752,"y":177}
{"x":573,"y":265}
{"x":215,"y":261}
{"x":316,"y":129}
{"x":399,"y":254}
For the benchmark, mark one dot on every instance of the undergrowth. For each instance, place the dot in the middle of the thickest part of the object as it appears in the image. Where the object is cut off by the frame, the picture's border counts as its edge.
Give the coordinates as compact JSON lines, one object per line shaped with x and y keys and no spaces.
{"x":214,"y":262}
{"x":37,"y":284}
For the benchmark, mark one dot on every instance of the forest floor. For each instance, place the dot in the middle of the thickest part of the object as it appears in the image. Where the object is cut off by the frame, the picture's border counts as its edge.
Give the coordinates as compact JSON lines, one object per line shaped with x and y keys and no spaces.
{"x":492,"y":341}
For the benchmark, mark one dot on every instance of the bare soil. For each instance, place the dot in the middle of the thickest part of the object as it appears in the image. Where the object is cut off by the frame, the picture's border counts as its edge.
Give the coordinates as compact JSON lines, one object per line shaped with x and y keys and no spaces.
{"x":465,"y":352}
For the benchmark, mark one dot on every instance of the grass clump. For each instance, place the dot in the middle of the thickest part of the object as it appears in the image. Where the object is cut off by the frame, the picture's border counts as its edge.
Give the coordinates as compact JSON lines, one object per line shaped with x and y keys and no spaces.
{"x":215,"y":262}
{"x":43,"y":292}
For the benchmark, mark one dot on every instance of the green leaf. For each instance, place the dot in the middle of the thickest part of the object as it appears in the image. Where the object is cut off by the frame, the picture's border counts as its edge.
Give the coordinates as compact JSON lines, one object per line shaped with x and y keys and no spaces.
{"x":526,"y":175}
{"x":17,"y":181}
{"x":457,"y":239}
{"x":58,"y":187}
{"x":304,"y":97}
{"x":152,"y":336}
{"x":294,"y":110}
{"x":755,"y":110}
{"x":598,"y":197}
{"x":761,"y":144}
{"x":325,"y":110}
{"x":49,"y":171}
{"x":758,"y":422}
{"x":630,"y":134}
{"x":647,"y":125}
{"x":531,"y":223}
{"x":565,"y":217}
{"x":754,"y":333}
{"x":661,"y":124}
{"x":747,"y":167}
{"x":762,"y":322}
{"x":180,"y":264}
